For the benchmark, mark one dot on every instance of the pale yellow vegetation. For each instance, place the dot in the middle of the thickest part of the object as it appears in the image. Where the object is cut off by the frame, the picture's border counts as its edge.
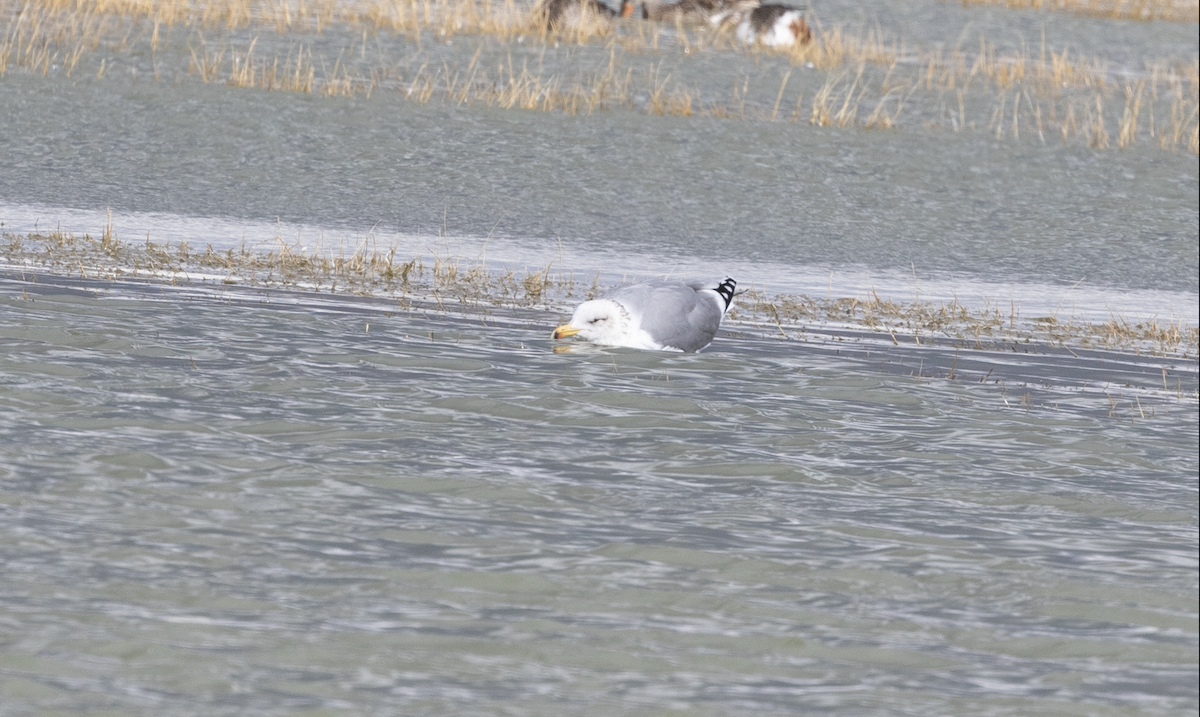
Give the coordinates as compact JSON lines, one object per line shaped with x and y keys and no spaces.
{"x":870,"y":82}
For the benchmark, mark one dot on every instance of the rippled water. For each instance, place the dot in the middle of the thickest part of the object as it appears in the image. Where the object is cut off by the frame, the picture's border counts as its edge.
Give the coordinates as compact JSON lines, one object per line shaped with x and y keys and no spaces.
{"x":242,"y":502}
{"x":216,"y":500}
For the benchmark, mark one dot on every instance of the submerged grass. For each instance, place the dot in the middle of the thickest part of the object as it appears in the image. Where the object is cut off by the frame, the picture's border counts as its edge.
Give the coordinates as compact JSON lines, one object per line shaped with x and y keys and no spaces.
{"x":988,"y":327}
{"x":361,"y":269}
{"x":456,"y":285}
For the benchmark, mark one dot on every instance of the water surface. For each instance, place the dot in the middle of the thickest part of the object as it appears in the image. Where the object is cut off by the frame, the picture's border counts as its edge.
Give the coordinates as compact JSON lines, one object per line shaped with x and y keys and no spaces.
{"x":220,"y":500}
{"x":242,"y":502}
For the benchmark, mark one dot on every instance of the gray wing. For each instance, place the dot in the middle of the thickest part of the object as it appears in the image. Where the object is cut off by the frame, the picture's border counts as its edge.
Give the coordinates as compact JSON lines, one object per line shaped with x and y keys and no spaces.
{"x":673,"y":313}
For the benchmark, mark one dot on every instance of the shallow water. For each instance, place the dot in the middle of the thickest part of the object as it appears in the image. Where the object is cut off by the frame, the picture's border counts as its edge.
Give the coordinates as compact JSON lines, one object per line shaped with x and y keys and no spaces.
{"x":937,"y":214}
{"x":242,"y":502}
{"x":943,"y":213}
{"x":217,"y":500}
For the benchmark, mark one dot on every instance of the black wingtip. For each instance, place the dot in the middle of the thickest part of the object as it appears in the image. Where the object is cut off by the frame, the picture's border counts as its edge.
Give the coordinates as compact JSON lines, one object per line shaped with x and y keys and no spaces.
{"x":725,"y":289}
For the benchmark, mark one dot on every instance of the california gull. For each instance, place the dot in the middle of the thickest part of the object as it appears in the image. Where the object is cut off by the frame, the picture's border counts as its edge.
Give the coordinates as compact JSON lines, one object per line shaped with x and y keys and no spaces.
{"x":654,"y":315}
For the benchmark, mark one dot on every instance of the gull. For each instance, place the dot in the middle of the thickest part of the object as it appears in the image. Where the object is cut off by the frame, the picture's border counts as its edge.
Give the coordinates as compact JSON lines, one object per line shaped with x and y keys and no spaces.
{"x":654,"y":315}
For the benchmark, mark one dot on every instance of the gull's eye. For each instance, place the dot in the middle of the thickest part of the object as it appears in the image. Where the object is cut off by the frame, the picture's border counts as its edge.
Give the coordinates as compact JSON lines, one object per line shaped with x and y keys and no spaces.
{"x":597,"y":320}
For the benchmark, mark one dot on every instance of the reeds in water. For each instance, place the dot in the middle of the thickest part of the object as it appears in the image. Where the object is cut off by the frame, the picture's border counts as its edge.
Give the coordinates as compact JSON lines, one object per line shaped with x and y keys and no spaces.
{"x":455,"y":284}
{"x":866,"y":80}
{"x":988,"y":327}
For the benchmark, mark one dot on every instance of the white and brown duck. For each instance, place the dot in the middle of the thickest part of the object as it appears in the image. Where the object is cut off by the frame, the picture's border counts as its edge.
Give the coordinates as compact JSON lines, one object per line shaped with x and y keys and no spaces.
{"x":772,"y":25}
{"x":579,"y":14}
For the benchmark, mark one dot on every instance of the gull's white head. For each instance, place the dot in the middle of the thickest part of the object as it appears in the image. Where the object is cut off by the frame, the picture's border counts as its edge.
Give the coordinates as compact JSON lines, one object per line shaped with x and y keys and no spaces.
{"x":601,"y":321}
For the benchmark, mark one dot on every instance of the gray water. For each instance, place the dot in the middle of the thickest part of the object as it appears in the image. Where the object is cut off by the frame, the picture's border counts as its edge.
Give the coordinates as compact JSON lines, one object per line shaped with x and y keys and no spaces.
{"x":249,"y":503}
{"x":784,"y":207}
{"x":785,"y":204}
{"x":219,"y":500}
